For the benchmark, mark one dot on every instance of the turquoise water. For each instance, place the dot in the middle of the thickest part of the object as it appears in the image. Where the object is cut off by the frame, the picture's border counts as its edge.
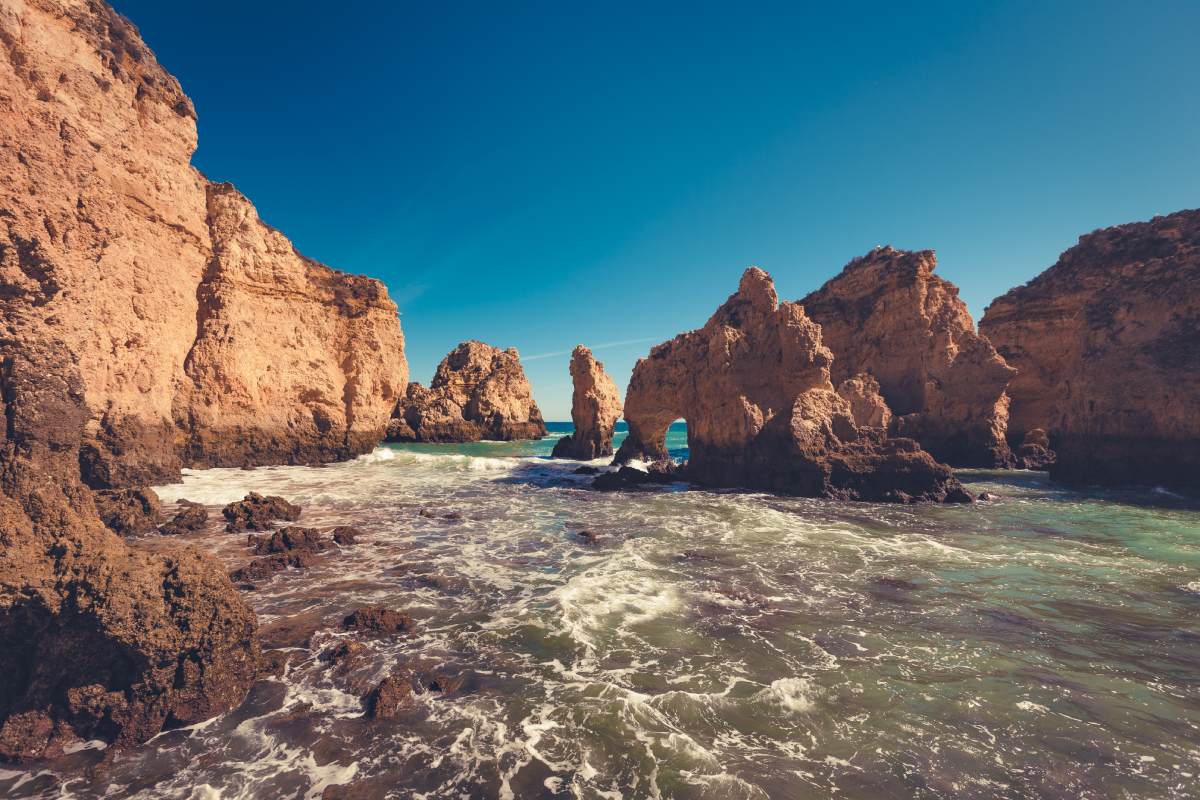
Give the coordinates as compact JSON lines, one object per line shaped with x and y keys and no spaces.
{"x":708,"y":645}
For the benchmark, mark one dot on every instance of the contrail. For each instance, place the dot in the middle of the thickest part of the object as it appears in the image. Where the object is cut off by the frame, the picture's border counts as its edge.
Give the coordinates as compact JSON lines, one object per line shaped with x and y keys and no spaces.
{"x":593,"y":347}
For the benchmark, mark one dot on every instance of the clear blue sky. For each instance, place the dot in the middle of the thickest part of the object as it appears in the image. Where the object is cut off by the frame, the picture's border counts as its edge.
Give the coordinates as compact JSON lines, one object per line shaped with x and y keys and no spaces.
{"x":540,"y":175}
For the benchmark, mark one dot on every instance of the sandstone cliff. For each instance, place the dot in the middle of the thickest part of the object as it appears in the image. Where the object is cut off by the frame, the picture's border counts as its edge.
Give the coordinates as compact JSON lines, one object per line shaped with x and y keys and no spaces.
{"x":595,"y":409}
{"x":1107,"y":347}
{"x":201,"y":336}
{"x":754,"y":386}
{"x":478,"y":392}
{"x":888,"y":315}
{"x":147,"y":320}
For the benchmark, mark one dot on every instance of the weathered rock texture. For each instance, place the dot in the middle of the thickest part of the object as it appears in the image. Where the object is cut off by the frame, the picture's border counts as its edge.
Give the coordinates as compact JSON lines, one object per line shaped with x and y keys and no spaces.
{"x":1107,"y":344}
{"x":478,"y":392}
{"x":201,"y":336}
{"x":867,"y":406}
{"x":754,"y":387}
{"x":888,"y":315}
{"x":595,"y":409}
{"x":98,"y":638}
{"x":147,"y":320}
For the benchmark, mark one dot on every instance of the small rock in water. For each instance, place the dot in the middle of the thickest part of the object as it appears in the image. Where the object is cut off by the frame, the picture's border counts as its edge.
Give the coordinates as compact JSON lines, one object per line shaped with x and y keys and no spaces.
{"x":586,"y":470}
{"x":588,"y":537}
{"x":386,"y":699}
{"x":988,"y":497}
{"x":378,"y":621}
{"x":190,"y":517}
{"x":256,"y":512}
{"x":261,"y":569}
{"x":288,"y":540}
{"x":346,"y":535}
{"x":630,"y":478}
{"x":274,"y":663}
{"x":128,"y":512}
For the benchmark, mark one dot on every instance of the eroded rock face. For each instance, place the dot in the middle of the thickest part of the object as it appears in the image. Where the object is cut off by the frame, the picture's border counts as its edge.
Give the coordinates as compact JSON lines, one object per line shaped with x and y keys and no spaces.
{"x":867,"y":406}
{"x":99,"y":638}
{"x":478,"y":392}
{"x":200,"y":336}
{"x":886,"y":314}
{"x":1107,"y":344}
{"x":595,"y":409}
{"x":754,"y":387}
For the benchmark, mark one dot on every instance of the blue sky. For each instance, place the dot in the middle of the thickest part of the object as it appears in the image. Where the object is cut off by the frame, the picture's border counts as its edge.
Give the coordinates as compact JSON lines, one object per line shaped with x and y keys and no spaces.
{"x":540,"y":175}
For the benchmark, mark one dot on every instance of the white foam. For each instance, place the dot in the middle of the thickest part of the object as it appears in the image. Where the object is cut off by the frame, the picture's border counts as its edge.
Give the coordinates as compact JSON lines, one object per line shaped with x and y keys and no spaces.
{"x":793,"y":694}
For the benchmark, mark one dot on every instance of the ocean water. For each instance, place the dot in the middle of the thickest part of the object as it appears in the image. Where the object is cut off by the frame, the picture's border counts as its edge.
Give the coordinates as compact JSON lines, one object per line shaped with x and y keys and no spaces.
{"x":707,"y":645}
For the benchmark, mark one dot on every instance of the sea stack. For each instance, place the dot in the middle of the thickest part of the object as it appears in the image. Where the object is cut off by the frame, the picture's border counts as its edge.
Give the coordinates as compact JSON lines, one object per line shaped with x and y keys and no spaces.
{"x":754,"y":387}
{"x":887,"y":315}
{"x":595,"y":409}
{"x":1107,"y":347}
{"x":478,"y":392}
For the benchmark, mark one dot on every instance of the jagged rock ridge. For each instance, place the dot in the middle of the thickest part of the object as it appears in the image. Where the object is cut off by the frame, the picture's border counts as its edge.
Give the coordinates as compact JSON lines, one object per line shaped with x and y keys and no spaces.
{"x":478,"y":392}
{"x":887,"y":315}
{"x":754,"y":387}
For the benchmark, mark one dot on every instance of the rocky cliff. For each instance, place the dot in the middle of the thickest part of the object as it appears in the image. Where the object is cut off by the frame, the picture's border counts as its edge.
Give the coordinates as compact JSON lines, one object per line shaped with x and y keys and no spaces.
{"x":888,"y":315}
{"x":147,"y":320}
{"x":1107,"y":347}
{"x":201,"y":336}
{"x":595,"y":409}
{"x":478,"y":392}
{"x":754,"y":387}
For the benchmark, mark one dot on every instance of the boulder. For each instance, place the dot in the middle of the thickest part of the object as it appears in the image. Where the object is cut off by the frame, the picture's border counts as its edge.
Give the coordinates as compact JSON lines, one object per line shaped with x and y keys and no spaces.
{"x":199,"y":335}
{"x":190,"y":517}
{"x":287,"y":540}
{"x":378,"y":621}
{"x":257,"y":513}
{"x":753,"y":385}
{"x":1034,"y":451}
{"x":129,"y":512}
{"x":887,"y":315}
{"x":478,"y":392}
{"x":595,"y":409}
{"x":388,"y":697}
{"x":1107,"y":347}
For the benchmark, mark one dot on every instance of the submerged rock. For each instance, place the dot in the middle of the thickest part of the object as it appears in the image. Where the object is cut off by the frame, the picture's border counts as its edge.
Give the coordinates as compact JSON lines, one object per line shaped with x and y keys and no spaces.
{"x":346,"y":535}
{"x":595,"y":409}
{"x":478,"y":392}
{"x":378,"y":621}
{"x":888,"y":316}
{"x":754,"y":387}
{"x":1107,"y":344}
{"x":256,"y":512}
{"x":287,"y":540}
{"x":129,"y":512}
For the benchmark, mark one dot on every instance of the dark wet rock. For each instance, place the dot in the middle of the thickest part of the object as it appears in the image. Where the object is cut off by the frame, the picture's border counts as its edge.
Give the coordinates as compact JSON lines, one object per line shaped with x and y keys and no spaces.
{"x":988,"y":497}
{"x":129,"y":512}
{"x":275,"y":663}
{"x":628,"y":477}
{"x":288,"y":540}
{"x":378,"y":621}
{"x":433,"y":513}
{"x":345,"y":655}
{"x":387,"y":698}
{"x":256,"y":512}
{"x":189,"y":518}
{"x":346,"y":535}
{"x":450,"y":584}
{"x":586,"y":470}
{"x":261,"y":569}
{"x":588,"y":537}
{"x":293,"y":630}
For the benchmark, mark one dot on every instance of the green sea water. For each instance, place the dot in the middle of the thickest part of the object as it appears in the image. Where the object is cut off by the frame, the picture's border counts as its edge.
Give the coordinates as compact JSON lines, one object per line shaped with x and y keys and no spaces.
{"x":706,"y":645}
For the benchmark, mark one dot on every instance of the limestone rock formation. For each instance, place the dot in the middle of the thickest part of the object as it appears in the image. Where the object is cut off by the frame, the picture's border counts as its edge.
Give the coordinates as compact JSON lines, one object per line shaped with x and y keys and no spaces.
{"x":595,"y":409}
{"x":99,"y":638}
{"x":1107,"y":347}
{"x":478,"y":392}
{"x":201,"y":336}
{"x":867,"y":406}
{"x":754,"y":387}
{"x":888,"y":315}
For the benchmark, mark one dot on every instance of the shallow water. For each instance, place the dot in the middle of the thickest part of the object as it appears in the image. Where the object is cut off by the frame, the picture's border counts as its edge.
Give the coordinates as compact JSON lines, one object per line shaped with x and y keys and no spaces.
{"x":708,"y":645}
